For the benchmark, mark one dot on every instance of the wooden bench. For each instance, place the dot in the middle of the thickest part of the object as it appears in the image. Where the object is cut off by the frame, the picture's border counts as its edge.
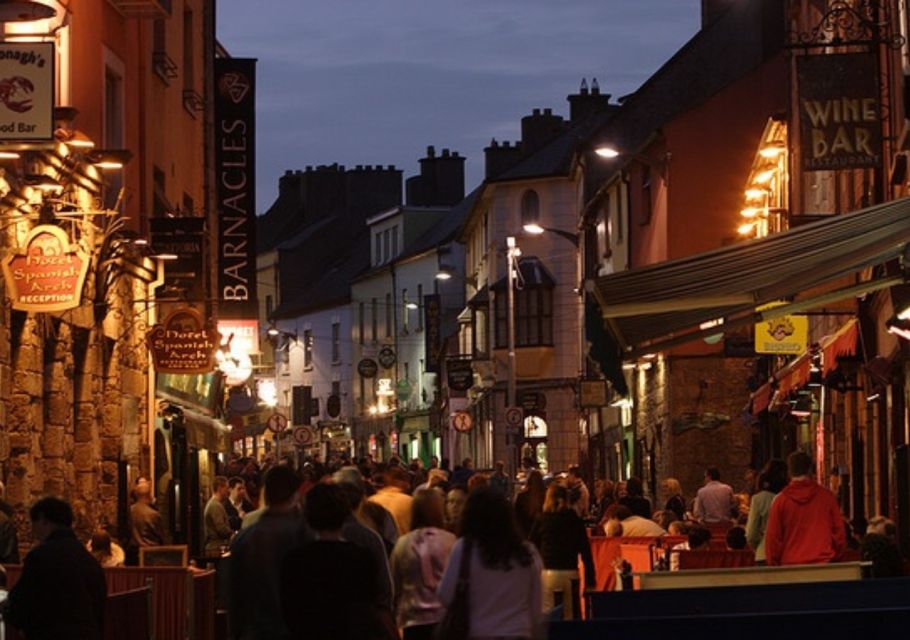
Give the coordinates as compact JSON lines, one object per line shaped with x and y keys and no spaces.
{"x":830,"y":624}
{"x":854,"y":594}
{"x":833,"y":572}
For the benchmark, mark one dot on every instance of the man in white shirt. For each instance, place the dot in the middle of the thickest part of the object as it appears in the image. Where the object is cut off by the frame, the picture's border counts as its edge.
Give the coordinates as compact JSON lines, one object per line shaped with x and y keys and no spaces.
{"x":636,"y":526}
{"x":715,"y":501}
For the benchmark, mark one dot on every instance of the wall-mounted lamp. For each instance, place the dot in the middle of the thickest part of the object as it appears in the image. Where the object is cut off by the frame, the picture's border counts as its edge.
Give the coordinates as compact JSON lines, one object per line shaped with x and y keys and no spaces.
{"x":610,"y":152}
{"x":802,"y":408}
{"x":110,"y":158}
{"x":25,"y":11}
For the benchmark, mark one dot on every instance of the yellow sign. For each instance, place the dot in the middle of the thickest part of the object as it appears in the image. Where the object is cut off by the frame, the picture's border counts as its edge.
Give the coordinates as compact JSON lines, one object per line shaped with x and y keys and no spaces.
{"x":784,"y":335}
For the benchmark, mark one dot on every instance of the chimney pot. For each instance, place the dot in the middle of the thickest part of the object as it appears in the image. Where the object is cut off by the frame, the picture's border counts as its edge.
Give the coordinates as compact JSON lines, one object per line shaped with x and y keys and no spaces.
{"x":595,"y":88}
{"x":445,"y":153}
{"x":535,"y":112}
{"x":431,"y":151}
{"x":548,"y":112}
{"x":584,"y":87}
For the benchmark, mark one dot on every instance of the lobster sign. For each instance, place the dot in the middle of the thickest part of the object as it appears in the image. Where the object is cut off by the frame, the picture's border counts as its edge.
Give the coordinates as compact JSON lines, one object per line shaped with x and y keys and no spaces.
{"x":26,"y":90}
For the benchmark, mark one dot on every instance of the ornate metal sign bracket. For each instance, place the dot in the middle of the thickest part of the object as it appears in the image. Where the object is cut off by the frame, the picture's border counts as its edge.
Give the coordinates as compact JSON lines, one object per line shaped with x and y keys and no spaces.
{"x":849,"y":23}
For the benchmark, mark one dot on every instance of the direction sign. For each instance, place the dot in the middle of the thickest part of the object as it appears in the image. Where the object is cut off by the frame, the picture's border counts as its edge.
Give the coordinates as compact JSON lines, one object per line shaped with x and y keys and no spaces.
{"x":514,"y":416}
{"x":303,"y":435}
{"x":277,"y":423}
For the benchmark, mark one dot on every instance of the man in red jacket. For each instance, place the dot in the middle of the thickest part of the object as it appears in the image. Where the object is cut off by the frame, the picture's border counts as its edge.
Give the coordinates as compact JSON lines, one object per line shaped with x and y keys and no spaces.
{"x":805,"y":525}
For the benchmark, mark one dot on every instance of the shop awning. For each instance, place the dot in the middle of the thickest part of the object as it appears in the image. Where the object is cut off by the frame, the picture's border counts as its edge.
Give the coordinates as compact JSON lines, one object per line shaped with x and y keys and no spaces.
{"x":658,"y":306}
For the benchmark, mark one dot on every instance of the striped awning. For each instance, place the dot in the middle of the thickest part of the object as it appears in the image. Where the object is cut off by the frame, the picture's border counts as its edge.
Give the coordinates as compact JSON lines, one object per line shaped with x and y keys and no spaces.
{"x":661,"y":305}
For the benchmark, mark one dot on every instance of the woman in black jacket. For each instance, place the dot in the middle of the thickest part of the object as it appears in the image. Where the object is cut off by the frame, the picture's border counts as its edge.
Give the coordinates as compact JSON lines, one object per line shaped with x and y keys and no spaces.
{"x":638,"y":504}
{"x":560,"y":537}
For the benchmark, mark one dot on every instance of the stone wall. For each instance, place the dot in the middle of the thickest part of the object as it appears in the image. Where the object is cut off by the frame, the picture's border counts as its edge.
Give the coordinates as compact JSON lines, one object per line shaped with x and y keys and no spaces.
{"x":64,"y":385}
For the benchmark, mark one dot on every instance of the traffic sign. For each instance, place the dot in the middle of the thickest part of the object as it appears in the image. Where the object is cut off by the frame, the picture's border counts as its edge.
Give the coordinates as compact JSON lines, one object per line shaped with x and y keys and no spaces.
{"x":462,"y":421}
{"x":277,"y":423}
{"x":303,"y":436}
{"x":514,"y":416}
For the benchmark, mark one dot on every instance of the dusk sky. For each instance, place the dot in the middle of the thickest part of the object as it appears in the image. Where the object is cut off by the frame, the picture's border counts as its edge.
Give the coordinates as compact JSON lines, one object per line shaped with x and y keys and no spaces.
{"x":375,"y":82}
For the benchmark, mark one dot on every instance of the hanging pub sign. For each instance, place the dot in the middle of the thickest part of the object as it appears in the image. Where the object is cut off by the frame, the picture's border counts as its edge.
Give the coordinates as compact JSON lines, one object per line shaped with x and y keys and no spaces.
{"x":367,"y":368}
{"x":460,"y":374}
{"x":839,"y":111}
{"x":46,"y":273}
{"x":183,"y":343}
{"x":235,"y":152}
{"x":184,"y":238}
{"x":784,"y":335}
{"x":26,"y":90}
{"x":432,"y":322}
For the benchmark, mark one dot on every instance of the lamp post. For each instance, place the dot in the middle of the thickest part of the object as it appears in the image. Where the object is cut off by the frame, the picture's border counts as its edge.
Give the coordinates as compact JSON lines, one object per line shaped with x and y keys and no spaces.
{"x":512,"y":254}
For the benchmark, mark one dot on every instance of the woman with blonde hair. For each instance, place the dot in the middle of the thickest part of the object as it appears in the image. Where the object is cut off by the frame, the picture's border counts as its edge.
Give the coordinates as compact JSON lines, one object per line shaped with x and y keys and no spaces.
{"x":560,"y":537}
{"x":675,"y":501}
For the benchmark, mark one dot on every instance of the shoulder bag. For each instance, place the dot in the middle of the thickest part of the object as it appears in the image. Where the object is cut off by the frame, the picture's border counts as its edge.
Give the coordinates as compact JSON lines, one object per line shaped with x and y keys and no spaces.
{"x":456,"y":625}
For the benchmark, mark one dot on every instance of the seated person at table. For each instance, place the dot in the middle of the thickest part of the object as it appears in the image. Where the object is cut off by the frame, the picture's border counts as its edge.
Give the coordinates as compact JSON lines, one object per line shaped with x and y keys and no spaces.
{"x":736,"y":538}
{"x":613,"y":528}
{"x":636,"y":526}
{"x":679,"y":528}
{"x":699,"y":537}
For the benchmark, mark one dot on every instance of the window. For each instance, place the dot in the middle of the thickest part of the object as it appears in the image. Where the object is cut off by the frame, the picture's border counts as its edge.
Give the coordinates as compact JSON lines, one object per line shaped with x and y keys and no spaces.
{"x":405,"y":312}
{"x":388,"y":315}
{"x":375,"y":318}
{"x":159,"y":200}
{"x":646,"y":195}
{"x":360,"y":322}
{"x":530,"y":208}
{"x":189,"y":80}
{"x":336,"y":342}
{"x":307,"y":349}
{"x":420,"y":307}
{"x":386,"y":245}
{"x":533,"y":317}
{"x":394,"y":253}
{"x":301,"y":404}
{"x":114,"y":137}
{"x":377,"y":250}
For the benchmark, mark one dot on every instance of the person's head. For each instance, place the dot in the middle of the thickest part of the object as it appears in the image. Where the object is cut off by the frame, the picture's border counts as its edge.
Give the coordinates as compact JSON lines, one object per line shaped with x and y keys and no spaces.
{"x":101,"y":543}
{"x":48,"y":515}
{"x":467,"y":463}
{"x":352,"y":483}
{"x":712,"y":473}
{"x":622,"y":512}
{"x":557,"y":498}
{"x":773,"y":476}
{"x":455,"y":500}
{"x":665,"y":518}
{"x":678,"y":528}
{"x":236,"y":488}
{"x":477,"y":481}
{"x":621,"y":491}
{"x":326,"y":507}
{"x":282,"y":486}
{"x":699,"y":537}
{"x":398,"y":478}
{"x":882,"y":526}
{"x":220,"y":487}
{"x":143,"y":491}
{"x":799,"y":464}
{"x":428,"y":509}
{"x":434,"y":462}
{"x":605,"y":489}
{"x":736,"y":538}
{"x":574,"y":475}
{"x":671,"y":487}
{"x":613,"y":528}
{"x":634,"y":487}
{"x":436,"y":477}
{"x":489,"y":521}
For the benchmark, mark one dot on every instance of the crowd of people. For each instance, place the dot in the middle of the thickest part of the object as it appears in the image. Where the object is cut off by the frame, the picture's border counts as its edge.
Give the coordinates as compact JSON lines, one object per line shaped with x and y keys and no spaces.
{"x":388,"y":550}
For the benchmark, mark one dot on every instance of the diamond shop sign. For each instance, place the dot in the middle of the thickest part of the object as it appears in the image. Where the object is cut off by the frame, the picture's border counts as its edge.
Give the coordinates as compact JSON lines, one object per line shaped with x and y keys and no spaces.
{"x":47,"y":273}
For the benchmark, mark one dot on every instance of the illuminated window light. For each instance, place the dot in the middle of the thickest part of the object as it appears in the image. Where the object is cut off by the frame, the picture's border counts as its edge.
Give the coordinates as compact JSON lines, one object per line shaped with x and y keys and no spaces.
{"x":756,"y":194}
{"x":772,"y":151}
{"x":750,"y":212}
{"x":745,"y":229}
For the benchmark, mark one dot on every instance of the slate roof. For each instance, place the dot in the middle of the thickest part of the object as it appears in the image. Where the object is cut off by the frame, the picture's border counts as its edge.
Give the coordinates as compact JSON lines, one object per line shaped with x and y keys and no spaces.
{"x":328,"y":286}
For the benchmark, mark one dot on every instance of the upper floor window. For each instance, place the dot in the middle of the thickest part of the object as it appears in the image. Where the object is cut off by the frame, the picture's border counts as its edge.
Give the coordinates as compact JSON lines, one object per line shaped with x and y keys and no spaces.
{"x":646,"y":195}
{"x":307,"y":349}
{"x":530,"y":208}
{"x":336,"y":342}
{"x":533,"y":307}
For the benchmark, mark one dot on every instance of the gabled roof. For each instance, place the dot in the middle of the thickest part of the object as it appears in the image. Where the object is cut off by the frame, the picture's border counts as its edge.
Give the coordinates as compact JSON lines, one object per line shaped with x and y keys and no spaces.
{"x":735,"y":44}
{"x":443,"y":231}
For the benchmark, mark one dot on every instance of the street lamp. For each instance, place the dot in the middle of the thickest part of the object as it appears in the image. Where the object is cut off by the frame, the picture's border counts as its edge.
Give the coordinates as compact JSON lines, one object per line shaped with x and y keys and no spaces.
{"x":512,"y":255}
